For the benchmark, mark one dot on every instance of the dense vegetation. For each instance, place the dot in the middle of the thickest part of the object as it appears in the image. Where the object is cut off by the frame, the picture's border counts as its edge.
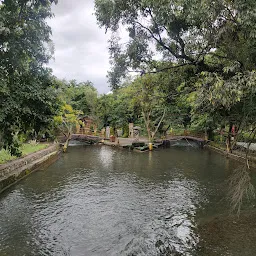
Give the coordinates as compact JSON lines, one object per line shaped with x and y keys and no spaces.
{"x":186,"y":65}
{"x":205,"y":49}
{"x":28,"y":99}
{"x":206,"y":53}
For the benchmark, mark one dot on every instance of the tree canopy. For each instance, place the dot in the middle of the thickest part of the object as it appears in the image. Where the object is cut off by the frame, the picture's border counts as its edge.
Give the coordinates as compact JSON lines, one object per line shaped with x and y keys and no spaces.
{"x":81,"y":96}
{"x":180,"y":33}
{"x":27,"y":97}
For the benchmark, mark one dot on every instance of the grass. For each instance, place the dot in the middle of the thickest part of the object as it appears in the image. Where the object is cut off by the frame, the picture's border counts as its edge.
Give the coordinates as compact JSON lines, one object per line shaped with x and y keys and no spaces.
{"x":29,"y":148}
{"x":5,"y":156}
{"x":26,"y":149}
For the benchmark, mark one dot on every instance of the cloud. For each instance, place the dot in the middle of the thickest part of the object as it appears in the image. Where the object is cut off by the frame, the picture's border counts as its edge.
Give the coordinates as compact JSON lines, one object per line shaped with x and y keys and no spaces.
{"x":81,"y":47}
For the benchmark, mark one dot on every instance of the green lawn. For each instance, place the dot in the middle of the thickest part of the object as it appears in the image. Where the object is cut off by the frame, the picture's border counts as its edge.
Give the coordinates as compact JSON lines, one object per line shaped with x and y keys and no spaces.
{"x":26,"y":149}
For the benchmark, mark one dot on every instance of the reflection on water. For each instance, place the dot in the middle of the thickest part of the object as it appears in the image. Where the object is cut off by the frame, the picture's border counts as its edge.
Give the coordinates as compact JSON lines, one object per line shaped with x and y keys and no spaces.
{"x":103,"y":201}
{"x":106,"y":157}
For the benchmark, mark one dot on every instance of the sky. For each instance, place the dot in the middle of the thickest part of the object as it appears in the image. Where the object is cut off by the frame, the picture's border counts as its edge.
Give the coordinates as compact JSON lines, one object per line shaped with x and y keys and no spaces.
{"x":81,"y":47}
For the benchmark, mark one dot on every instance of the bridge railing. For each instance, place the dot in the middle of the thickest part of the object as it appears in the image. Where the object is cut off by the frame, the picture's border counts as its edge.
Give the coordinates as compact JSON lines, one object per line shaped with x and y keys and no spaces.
{"x":196,"y":134}
{"x":85,"y":131}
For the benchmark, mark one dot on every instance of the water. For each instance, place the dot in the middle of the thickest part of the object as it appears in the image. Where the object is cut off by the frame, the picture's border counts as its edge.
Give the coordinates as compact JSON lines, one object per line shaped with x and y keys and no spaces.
{"x":105,"y":201}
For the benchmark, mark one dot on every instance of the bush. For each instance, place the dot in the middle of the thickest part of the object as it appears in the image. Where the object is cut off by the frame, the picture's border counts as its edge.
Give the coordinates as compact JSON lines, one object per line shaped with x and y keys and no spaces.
{"x":112,"y":131}
{"x":219,"y":138}
{"x":5,"y":156}
{"x":126,"y":131}
{"x":245,"y":136}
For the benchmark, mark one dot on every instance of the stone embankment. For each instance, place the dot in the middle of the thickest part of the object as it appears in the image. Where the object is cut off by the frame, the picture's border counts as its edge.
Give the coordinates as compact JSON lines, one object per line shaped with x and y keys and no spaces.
{"x":15,"y":170}
{"x":237,"y":155}
{"x":170,"y":141}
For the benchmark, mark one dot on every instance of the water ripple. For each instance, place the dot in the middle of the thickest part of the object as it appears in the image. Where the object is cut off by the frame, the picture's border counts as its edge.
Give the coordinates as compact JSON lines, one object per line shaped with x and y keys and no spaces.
{"x":100,"y":201}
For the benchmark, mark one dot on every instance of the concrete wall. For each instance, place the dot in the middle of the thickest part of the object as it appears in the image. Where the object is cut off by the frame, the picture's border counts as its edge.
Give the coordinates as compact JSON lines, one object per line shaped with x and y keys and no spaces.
{"x":239,"y":156}
{"x":17,"y":169}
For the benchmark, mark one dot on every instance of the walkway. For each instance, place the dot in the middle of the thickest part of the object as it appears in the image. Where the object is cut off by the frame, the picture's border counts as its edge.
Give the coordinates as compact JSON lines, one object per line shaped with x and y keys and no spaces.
{"x":245,"y":145}
{"x":124,"y":142}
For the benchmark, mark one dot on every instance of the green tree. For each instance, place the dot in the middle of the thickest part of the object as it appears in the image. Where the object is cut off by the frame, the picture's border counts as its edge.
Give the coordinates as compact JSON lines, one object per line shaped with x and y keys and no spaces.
{"x":117,"y":109}
{"x":81,"y":96}
{"x":27,"y":95}
{"x":151,"y":101}
{"x":181,"y":33}
{"x":105,"y":108}
{"x":67,"y":121}
{"x":215,"y":40}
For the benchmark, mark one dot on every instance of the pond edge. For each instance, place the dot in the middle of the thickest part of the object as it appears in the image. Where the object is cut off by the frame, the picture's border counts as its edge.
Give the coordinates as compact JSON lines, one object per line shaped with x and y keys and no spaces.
{"x":239,"y":158}
{"x":15,"y":170}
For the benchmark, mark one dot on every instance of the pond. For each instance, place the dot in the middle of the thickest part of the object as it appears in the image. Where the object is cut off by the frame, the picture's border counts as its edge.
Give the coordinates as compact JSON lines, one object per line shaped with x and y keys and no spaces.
{"x":99,"y":200}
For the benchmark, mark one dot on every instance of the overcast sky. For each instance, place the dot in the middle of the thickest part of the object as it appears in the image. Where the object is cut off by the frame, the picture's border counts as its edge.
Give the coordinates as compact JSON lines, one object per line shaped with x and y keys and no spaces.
{"x":81,"y":47}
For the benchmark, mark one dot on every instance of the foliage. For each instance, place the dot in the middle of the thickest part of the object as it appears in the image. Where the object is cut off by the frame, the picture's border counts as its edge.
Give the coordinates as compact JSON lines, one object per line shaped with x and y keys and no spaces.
{"x":116,"y":109}
{"x":28,"y":100}
{"x":210,"y":46}
{"x":68,"y":119}
{"x":104,"y":110}
{"x":151,"y":101}
{"x":5,"y":156}
{"x":67,"y":122}
{"x":26,"y":149}
{"x":183,"y":32}
{"x":126,"y":131}
{"x":240,"y":188}
{"x":81,"y":96}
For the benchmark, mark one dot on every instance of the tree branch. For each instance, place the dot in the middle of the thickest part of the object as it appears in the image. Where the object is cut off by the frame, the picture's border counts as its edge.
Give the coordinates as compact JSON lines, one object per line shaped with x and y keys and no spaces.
{"x":160,"y":42}
{"x":178,"y":39}
{"x":160,"y":70}
{"x":161,"y":120}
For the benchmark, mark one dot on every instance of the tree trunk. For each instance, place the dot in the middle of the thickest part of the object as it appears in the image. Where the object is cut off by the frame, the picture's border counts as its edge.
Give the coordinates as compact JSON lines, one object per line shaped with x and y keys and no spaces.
{"x":205,"y":134}
{"x":228,"y":141}
{"x":147,"y":126}
{"x":65,"y":147}
{"x":165,"y":131}
{"x":159,"y":123}
{"x":240,"y":127}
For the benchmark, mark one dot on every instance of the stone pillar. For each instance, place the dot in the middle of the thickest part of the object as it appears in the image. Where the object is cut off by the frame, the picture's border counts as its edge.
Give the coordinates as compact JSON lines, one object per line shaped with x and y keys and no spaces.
{"x":130,"y":130}
{"x":107,"y":132}
{"x":119,"y":132}
{"x":136,"y":134}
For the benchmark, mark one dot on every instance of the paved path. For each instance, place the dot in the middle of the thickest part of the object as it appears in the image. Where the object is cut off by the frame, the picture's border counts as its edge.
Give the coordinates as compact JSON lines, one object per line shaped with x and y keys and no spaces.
{"x":128,"y":141}
{"x":244,"y":144}
{"x":124,"y":141}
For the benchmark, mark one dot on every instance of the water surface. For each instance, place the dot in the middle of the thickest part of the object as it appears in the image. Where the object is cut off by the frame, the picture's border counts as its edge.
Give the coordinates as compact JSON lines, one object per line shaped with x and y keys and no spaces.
{"x":98,"y":200}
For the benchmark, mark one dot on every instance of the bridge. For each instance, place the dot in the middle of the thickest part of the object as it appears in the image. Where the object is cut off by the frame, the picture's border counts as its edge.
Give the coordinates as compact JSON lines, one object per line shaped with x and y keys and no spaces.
{"x":201,"y":142}
{"x":123,"y":142}
{"x":86,"y":138}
